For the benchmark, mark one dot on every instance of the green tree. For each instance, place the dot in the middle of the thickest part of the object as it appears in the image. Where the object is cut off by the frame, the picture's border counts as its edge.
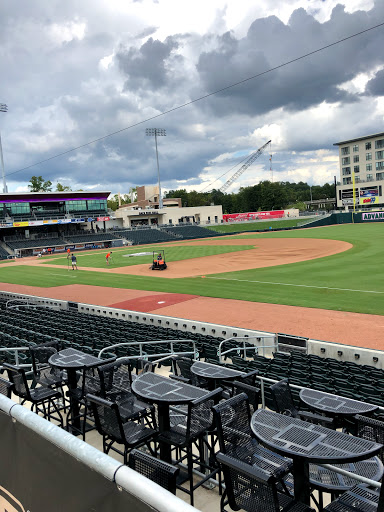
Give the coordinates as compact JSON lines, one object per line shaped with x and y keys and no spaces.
{"x":299,"y":205}
{"x":113,"y":202}
{"x":38,"y":184}
{"x":62,"y":188}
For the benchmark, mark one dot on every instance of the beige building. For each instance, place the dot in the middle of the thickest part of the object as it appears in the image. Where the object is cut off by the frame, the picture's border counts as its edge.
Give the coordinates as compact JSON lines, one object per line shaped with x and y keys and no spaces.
{"x":145,"y":211}
{"x":361,"y":160}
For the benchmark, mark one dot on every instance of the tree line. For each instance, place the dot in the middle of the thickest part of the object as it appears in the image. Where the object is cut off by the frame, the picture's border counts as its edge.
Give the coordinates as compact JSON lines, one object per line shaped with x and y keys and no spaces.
{"x":264,"y":196}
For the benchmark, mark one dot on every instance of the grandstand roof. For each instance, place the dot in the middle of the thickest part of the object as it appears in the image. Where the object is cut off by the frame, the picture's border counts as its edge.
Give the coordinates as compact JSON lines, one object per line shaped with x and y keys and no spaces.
{"x":33,"y":197}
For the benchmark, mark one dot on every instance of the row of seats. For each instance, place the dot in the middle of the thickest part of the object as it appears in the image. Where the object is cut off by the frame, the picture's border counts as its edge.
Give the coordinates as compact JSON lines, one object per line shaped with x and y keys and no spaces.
{"x":42,"y":242}
{"x":145,"y":236}
{"x":191,"y":231}
{"x":86,"y":332}
{"x":354,"y":381}
{"x":85,"y":238}
{"x":3,"y":254}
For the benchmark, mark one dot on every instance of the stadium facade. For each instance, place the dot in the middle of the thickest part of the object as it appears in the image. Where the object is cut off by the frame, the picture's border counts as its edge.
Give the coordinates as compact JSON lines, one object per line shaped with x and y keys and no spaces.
{"x":361,"y":164}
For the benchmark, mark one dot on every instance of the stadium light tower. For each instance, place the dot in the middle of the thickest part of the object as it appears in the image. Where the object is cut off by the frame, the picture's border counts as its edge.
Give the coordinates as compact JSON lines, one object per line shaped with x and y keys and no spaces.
{"x":3,"y":108}
{"x":157,"y":132}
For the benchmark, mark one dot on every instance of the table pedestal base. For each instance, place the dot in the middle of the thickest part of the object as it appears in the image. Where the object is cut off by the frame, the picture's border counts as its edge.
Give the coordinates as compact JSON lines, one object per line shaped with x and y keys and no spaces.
{"x":301,"y":481}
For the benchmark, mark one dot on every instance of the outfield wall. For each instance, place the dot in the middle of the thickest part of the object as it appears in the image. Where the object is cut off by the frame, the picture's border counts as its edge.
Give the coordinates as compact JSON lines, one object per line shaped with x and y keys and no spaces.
{"x":348,"y":218}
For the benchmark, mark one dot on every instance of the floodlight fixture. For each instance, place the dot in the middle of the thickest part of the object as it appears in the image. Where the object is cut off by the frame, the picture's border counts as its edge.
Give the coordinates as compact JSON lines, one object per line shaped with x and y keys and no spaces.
{"x":157,"y":132}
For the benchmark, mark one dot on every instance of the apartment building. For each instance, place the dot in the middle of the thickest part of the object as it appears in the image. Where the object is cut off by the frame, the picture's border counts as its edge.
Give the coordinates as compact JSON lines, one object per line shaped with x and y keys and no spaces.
{"x":361,"y":161}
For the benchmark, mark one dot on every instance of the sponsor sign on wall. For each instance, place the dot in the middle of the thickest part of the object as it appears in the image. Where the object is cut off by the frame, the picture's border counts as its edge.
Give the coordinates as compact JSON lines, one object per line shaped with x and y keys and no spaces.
{"x":369,"y":196}
{"x":373,"y":216}
{"x":42,"y":222}
{"x":239,"y":217}
{"x":103,"y":218}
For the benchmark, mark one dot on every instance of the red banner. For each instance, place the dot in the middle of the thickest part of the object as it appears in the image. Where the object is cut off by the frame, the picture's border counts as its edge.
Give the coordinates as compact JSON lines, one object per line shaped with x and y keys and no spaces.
{"x":241,"y":217}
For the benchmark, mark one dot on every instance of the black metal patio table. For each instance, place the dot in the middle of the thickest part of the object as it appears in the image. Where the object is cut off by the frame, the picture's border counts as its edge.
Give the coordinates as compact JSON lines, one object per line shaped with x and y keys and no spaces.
{"x":214,"y":373}
{"x":72,"y":360}
{"x":335,"y":405}
{"x":307,"y":442}
{"x":165,"y":392}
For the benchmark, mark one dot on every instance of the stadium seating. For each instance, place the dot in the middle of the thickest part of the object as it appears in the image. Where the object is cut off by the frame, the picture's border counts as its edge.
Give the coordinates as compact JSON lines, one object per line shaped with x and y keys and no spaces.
{"x":37,"y":242}
{"x":191,"y":231}
{"x":26,"y":327}
{"x":3,"y":254}
{"x":92,"y":237}
{"x":144,"y":236}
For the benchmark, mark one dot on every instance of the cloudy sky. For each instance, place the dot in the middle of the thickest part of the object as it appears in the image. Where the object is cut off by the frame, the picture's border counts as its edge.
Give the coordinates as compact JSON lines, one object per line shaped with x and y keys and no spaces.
{"x":73,"y":72}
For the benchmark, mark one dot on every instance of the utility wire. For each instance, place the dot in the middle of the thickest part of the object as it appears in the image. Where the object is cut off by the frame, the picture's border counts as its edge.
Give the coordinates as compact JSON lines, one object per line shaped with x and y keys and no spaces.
{"x":200,"y":98}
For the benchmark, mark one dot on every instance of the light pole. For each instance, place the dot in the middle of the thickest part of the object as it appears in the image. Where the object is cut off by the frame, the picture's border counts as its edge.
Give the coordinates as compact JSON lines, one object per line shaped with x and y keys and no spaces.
{"x":157,"y":132}
{"x":3,"y":108}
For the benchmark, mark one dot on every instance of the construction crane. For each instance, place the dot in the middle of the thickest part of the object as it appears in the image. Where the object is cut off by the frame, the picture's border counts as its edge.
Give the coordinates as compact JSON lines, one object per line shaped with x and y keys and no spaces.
{"x":244,"y":167}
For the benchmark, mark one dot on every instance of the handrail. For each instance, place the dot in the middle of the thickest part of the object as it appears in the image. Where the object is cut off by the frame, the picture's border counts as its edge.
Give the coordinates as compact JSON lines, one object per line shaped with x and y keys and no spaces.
{"x":16,"y":350}
{"x":154,"y":342}
{"x":244,"y":348}
{"x":295,"y":386}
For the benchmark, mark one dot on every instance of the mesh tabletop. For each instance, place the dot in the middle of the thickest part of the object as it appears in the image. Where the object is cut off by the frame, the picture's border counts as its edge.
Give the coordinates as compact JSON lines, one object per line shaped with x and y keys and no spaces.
{"x":296,"y":438}
{"x":334,"y":404}
{"x":72,"y":358}
{"x":329,"y":480}
{"x":214,"y":371}
{"x":158,"y":389}
{"x":357,"y":498}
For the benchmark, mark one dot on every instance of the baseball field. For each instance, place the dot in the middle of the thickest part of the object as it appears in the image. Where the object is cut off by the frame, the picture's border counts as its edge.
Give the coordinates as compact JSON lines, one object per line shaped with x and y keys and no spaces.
{"x":314,"y":271}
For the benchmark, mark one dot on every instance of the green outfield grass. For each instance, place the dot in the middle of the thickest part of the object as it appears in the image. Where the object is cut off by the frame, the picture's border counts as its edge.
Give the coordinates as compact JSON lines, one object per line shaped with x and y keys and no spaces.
{"x":172,"y":253}
{"x":235,"y":227}
{"x":349,"y":281}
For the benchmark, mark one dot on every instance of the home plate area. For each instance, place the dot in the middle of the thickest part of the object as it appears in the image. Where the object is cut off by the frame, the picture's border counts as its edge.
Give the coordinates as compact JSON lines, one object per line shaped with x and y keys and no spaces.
{"x":152,"y":302}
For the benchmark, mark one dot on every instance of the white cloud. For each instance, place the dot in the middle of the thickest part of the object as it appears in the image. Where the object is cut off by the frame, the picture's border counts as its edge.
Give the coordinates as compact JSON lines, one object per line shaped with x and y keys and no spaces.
{"x":66,"y":32}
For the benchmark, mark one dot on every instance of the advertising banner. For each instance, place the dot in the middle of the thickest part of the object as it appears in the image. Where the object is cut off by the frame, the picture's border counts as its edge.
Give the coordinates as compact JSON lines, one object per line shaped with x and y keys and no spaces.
{"x":369,"y":196}
{"x":373,"y":216}
{"x":40,"y":476}
{"x":20,"y":224}
{"x":93,"y":246}
{"x":103,"y":218}
{"x":241,"y":217}
{"x":369,"y":200}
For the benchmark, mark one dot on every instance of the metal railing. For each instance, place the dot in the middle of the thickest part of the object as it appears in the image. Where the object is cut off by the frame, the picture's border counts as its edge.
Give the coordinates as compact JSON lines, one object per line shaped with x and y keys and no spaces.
{"x":15,"y":351}
{"x":244,"y":348}
{"x":144,"y":355}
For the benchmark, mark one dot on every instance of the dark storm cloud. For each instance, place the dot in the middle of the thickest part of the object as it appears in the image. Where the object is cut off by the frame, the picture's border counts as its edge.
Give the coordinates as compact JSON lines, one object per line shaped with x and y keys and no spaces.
{"x":146,"y":66}
{"x":308,"y":82}
{"x":375,"y":87}
{"x":64,"y":90}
